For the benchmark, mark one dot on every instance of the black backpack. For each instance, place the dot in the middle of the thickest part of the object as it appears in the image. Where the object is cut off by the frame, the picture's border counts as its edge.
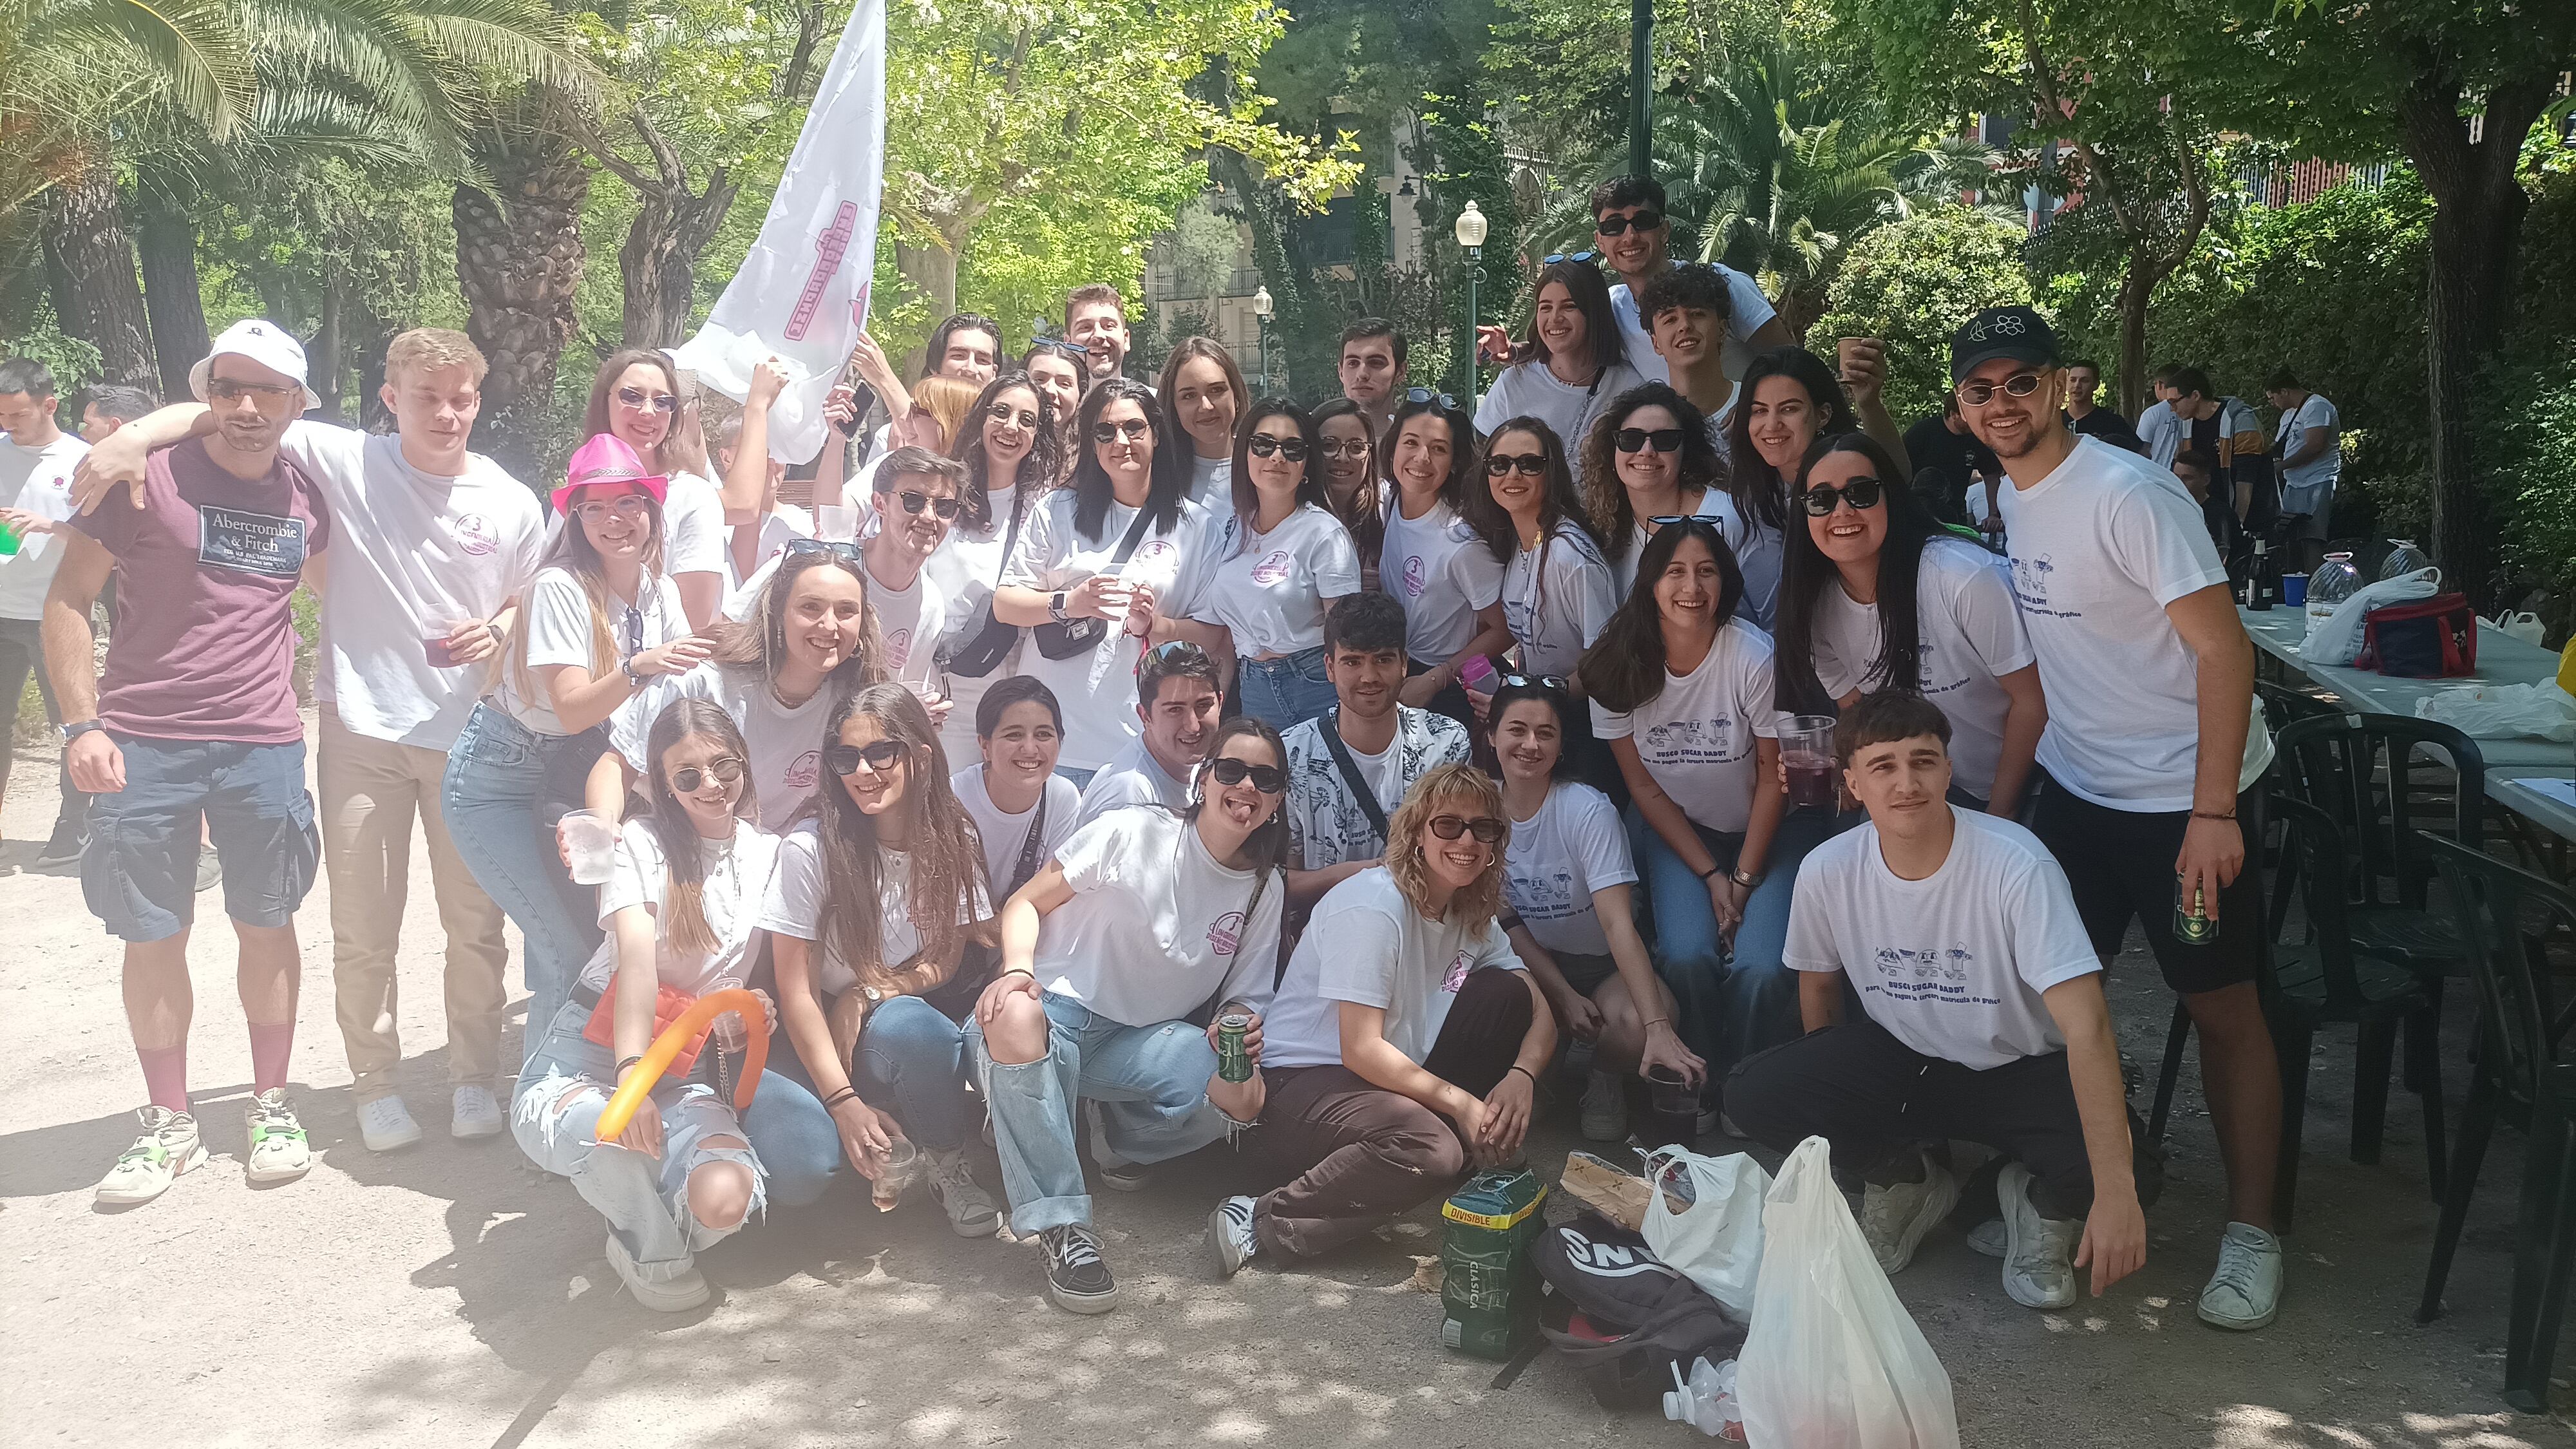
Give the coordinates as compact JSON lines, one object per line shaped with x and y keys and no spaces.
{"x":1622,"y":1316}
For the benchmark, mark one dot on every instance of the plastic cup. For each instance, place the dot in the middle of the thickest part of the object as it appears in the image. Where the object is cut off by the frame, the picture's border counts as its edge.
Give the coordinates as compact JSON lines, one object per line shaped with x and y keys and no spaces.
{"x":836,"y":523}
{"x":1807,"y":751}
{"x":590,"y":838}
{"x":2294,"y":590}
{"x":8,"y":540}
{"x":902,"y":1166}
{"x":1672,"y":1109}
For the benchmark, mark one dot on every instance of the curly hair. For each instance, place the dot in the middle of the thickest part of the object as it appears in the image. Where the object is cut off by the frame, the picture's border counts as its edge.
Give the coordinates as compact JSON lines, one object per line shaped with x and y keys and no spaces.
{"x":1038,"y":467}
{"x":1605,"y":498}
{"x":947,"y":860}
{"x":1470,"y":792}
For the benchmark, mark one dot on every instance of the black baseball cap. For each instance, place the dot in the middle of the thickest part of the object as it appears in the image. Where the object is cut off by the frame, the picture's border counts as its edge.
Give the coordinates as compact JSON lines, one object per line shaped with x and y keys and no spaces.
{"x":2014,"y":332}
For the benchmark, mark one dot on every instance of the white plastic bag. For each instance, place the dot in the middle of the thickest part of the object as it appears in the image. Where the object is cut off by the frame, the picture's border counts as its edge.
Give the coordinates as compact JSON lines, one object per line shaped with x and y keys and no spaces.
{"x":1833,"y":1360}
{"x":2336,"y":639}
{"x":1716,"y":1241}
{"x":2540,"y":711}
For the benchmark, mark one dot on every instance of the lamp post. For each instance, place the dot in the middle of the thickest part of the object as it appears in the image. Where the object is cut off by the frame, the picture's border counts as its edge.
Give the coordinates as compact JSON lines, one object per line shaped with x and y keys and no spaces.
{"x":1262,"y":307}
{"x":1471,"y":235}
{"x":1641,"y":87}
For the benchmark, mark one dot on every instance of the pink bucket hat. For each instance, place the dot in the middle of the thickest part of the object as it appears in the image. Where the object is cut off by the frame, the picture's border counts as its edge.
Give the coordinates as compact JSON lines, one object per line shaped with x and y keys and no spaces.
{"x":607,"y":459}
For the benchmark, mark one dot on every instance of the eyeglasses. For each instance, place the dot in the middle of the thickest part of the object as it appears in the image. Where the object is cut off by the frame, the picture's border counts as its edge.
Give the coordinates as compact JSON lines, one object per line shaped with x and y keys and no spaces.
{"x":1134,"y":428}
{"x":1978,"y":394}
{"x":1419,"y":395}
{"x":1344,"y":447}
{"x":1662,"y":440}
{"x":1552,"y":258}
{"x":880,"y":756}
{"x":689,"y":779}
{"x":1528,"y":465}
{"x":845,"y":552}
{"x":1005,"y":413}
{"x":660,"y":402}
{"x":1263,"y":445}
{"x":1646,"y":220}
{"x":1821,"y":499}
{"x":1227,"y":770}
{"x":624,"y":505}
{"x":1485,"y":828}
{"x":941,"y":508}
{"x":225,"y":389}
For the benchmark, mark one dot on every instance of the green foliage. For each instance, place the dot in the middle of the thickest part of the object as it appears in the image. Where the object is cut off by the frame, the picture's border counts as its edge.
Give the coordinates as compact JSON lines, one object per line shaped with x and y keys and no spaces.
{"x":2525,"y":399}
{"x":73,"y":363}
{"x":1913,"y":282}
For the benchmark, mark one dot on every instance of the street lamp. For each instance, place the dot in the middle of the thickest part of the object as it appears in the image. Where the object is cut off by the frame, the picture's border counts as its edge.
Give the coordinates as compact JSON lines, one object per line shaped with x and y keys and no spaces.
{"x":1471,"y":235}
{"x":1262,"y":307}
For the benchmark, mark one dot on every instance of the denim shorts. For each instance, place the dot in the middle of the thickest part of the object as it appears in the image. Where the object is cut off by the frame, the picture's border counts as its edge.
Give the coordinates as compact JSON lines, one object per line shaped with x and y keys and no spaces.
{"x":140,"y":871}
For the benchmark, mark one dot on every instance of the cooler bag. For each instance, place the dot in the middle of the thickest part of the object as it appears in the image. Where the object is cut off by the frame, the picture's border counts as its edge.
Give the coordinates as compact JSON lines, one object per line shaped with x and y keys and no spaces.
{"x":2435,"y":638}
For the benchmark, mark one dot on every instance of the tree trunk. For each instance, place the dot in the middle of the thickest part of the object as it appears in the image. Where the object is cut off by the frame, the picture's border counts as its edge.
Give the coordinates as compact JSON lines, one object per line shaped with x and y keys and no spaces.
{"x":328,"y":357}
{"x":369,"y":335}
{"x":659,"y":260}
{"x":172,"y":297}
{"x":934,"y":270}
{"x":102,"y":303}
{"x":2137,"y":289}
{"x":518,"y":262}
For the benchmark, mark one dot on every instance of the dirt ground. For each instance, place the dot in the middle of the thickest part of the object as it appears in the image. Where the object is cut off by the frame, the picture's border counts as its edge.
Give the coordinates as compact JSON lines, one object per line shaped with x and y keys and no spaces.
{"x":448,"y":1296}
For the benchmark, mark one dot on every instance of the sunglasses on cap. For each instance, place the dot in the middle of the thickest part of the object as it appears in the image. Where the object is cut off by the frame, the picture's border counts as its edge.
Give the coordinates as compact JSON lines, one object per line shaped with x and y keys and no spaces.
{"x":941,"y":508}
{"x":1978,"y":394}
{"x":1418,"y":395}
{"x":1636,"y":440}
{"x":1134,"y":428}
{"x":689,"y":779}
{"x":1552,"y":258}
{"x":880,"y":756}
{"x":1227,"y":770}
{"x":1263,"y":445}
{"x":1822,"y":499}
{"x":1485,"y":828}
{"x":1528,"y":465}
{"x":845,"y":552}
{"x":660,"y":402}
{"x":1646,"y":220}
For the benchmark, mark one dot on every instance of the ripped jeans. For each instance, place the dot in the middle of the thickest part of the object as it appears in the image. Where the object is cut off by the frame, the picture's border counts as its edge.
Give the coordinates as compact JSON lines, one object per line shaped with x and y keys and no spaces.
{"x":555,"y":1116}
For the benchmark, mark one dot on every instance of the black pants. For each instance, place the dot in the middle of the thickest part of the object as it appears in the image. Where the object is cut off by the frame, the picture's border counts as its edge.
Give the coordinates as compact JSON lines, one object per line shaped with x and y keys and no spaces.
{"x":1873,"y":1097}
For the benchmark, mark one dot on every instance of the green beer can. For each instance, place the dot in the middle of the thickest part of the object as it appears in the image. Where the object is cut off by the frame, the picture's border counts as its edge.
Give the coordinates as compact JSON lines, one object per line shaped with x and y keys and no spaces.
{"x":1233,"y":1063}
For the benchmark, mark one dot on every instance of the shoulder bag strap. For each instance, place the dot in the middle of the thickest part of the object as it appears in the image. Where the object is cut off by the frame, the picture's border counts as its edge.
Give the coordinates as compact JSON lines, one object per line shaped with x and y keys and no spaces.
{"x":1135,"y":535}
{"x":1330,"y":726}
{"x":1028,"y":862}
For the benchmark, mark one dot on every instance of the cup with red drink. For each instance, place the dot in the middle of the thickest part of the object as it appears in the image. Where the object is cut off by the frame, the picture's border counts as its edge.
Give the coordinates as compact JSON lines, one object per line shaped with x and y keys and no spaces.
{"x":1807,"y":757}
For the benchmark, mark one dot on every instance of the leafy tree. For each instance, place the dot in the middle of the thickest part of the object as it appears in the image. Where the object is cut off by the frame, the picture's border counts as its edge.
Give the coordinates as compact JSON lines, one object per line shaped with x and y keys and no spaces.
{"x":1913,"y":282}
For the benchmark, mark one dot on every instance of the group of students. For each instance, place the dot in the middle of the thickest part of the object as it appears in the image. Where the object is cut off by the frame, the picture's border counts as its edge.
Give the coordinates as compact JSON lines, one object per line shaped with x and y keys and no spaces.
{"x":1367,"y":745}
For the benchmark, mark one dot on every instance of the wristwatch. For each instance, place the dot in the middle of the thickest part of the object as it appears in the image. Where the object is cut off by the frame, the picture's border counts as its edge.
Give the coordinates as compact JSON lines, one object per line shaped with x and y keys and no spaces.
{"x":1746,"y":879}
{"x":626,"y":666}
{"x":72,"y":732}
{"x":1055,"y":607}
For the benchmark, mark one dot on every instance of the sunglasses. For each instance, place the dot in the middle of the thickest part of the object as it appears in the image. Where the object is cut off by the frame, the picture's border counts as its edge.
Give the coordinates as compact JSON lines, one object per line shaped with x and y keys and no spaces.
{"x":1552,"y":258}
{"x":1133,"y":428}
{"x":1485,"y":828}
{"x":1528,"y":465}
{"x":633,"y":629}
{"x":1978,"y":394}
{"x":1620,"y":225}
{"x":1419,"y":395}
{"x":624,"y":505}
{"x":1263,"y":445}
{"x":1227,"y":770}
{"x":1172,"y":653}
{"x":1058,"y":344}
{"x":1822,"y":500}
{"x":941,"y":508}
{"x":1536,"y":681}
{"x":225,"y":389}
{"x":660,"y":402}
{"x":846,"y":552}
{"x":689,"y":779}
{"x":880,"y":757}
{"x":1661,"y":440}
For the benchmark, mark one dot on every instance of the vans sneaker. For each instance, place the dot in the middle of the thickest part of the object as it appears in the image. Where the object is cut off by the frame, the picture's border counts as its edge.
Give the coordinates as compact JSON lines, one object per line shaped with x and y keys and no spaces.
{"x":168,"y":1147}
{"x":385,"y":1124}
{"x":1605,"y":1108}
{"x":970,"y":1209}
{"x":2245,"y":1292}
{"x":2039,"y":1253}
{"x":278,"y":1149}
{"x":1895,"y":1217}
{"x":1230,"y":1235}
{"x":1077,"y":1278}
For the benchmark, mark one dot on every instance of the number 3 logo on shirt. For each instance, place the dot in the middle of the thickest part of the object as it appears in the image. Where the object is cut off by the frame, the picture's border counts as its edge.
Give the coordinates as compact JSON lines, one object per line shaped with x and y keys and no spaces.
{"x":1227,"y":933}
{"x":1457,"y":976}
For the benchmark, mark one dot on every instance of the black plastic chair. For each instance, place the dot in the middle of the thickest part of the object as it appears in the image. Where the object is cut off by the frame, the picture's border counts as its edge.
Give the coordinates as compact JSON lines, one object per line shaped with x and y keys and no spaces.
{"x":2329,"y":979}
{"x":2524,"y":1073}
{"x":2365,"y":771}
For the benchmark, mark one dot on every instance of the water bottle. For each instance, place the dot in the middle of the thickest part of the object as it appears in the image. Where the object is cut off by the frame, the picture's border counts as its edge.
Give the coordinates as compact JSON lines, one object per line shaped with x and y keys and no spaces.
{"x":1706,"y":1403}
{"x":2334,"y":581}
{"x":2405,"y":558}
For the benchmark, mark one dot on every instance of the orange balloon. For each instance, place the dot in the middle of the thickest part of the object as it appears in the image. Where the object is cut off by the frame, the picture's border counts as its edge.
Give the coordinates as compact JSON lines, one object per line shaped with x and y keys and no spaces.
{"x":658,"y":1057}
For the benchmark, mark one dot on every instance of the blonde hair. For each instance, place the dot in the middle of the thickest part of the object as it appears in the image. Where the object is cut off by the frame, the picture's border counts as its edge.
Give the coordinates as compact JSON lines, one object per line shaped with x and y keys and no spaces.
{"x":427,"y":349}
{"x":1469,"y":792}
{"x":947,"y":400}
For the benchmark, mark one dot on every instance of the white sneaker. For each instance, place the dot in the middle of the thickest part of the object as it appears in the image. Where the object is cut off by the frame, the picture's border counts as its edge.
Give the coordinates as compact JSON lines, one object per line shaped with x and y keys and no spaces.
{"x":662,"y":1287}
{"x":1605,"y":1108}
{"x":144,"y":1171}
{"x":1894,"y":1218}
{"x":970,"y":1209}
{"x":1230,"y":1235}
{"x":477,"y":1113}
{"x":2245,"y":1292}
{"x":2039,"y":1253}
{"x":1116,"y":1171}
{"x":279,"y":1151}
{"x":385,"y":1124}
{"x":1988,"y":1238}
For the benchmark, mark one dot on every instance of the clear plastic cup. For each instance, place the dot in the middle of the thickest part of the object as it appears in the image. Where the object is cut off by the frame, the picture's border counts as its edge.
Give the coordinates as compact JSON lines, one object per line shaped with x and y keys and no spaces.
{"x":590,"y":839}
{"x":902,"y":1167}
{"x":836,"y":523}
{"x":1807,"y":752}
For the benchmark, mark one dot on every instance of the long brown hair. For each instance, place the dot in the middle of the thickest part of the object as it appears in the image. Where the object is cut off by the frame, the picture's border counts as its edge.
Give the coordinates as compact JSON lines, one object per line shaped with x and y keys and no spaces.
{"x":684,"y":905}
{"x":761,"y":644}
{"x":1037,"y":471}
{"x":1624,"y":668}
{"x":573,"y":553}
{"x":1472,"y":792}
{"x":594,"y":416}
{"x":1364,"y":512}
{"x":947,"y":859}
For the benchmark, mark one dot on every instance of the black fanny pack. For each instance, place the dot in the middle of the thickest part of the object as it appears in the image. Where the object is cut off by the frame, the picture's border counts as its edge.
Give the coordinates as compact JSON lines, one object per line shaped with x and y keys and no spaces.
{"x":1067,"y":639}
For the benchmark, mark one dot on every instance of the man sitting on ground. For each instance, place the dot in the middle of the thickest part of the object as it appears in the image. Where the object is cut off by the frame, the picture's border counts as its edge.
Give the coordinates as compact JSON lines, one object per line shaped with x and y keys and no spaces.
{"x":1983,"y":1020}
{"x":1178,"y":699}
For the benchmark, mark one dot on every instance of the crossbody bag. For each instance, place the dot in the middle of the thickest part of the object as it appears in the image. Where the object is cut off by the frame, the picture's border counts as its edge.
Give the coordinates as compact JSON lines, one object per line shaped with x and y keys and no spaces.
{"x":1065,"y":640}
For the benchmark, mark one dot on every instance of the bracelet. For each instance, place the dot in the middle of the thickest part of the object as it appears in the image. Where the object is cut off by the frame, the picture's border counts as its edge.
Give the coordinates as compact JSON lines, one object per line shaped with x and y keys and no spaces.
{"x":624,"y":1062}
{"x":1705,"y":874}
{"x":2212,"y":815}
{"x":1654,"y":1021}
{"x":846,"y":1094}
{"x":1524,"y":1071}
{"x":1027,"y":971}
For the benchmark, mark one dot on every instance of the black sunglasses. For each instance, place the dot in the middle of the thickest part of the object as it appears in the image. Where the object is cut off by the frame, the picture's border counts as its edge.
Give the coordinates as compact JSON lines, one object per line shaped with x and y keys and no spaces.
{"x":1552,"y":258}
{"x":1536,"y":681}
{"x":1822,"y":499}
{"x":1528,"y":465}
{"x":1978,"y":394}
{"x":1172,"y":654}
{"x":660,"y":402}
{"x":1661,"y":440}
{"x":1227,"y":770}
{"x":1263,"y":445}
{"x":1618,"y":225}
{"x":1485,"y":828}
{"x":846,"y":552}
{"x":1058,"y":344}
{"x":689,"y":779}
{"x":1426,"y":395}
{"x":1134,"y":428}
{"x":881,"y":756}
{"x":940,"y":508}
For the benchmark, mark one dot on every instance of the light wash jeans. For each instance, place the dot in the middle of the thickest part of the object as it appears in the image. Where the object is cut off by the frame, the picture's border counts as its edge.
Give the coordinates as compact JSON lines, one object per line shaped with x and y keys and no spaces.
{"x":555,"y":1117}
{"x":1150,"y":1082}
{"x":1285,"y":691}
{"x":1730,"y":1009}
{"x":489,"y":796}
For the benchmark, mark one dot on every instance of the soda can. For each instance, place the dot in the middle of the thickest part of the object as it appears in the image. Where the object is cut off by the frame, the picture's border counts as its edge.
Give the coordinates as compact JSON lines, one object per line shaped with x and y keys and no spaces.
{"x":2192,"y":925}
{"x":1233,"y":1063}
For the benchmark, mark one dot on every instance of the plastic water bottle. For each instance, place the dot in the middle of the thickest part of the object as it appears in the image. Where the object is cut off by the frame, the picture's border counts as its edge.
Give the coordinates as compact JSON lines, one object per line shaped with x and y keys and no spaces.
{"x":2403,"y":559}
{"x":2334,"y":581}
{"x":1706,"y":1403}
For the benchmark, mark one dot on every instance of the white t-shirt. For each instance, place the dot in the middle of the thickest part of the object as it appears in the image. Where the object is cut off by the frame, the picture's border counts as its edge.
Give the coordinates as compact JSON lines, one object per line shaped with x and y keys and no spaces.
{"x":2161,"y":431}
{"x":910,"y":624}
{"x":1053,"y":555}
{"x":1271,"y":592}
{"x":794,"y":905}
{"x":1971,"y":635}
{"x":1557,"y":609}
{"x":2305,"y":486}
{"x":1156,"y":927}
{"x":1212,"y":484}
{"x":1442,"y":573}
{"x":1697,"y":736}
{"x":1747,"y":311}
{"x":1952,"y":965}
{"x":37,"y":481}
{"x":780,"y":524}
{"x":1713,"y":505}
{"x":786,"y":744}
{"x":1326,"y":824}
{"x":1367,"y":945}
{"x":1528,"y":389}
{"x":693,"y":527}
{"x":2099,"y":547}
{"x":411,"y":553}
{"x":966,"y":567}
{"x":1557,"y":858}
{"x":1005,"y":834}
{"x":555,"y":616}
{"x":734,"y":874}
{"x":1760,"y":554}
{"x":1134,"y":778}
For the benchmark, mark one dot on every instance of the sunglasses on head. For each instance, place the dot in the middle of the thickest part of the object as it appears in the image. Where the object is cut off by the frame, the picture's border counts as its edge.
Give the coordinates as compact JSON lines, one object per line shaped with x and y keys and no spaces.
{"x":1264,"y":445}
{"x":690,"y":779}
{"x":1485,"y":828}
{"x":660,"y":402}
{"x":1536,"y":681}
{"x":1821,"y":499}
{"x":941,"y":508}
{"x":1133,"y":428}
{"x":1661,"y":440}
{"x":1978,"y":394}
{"x":1058,"y":344}
{"x":1528,"y":465}
{"x":1172,"y":653}
{"x":1425,"y":395}
{"x":1646,"y":220}
{"x":1227,"y":770}
{"x":846,"y":552}
{"x":1552,"y":258}
{"x":880,"y":756}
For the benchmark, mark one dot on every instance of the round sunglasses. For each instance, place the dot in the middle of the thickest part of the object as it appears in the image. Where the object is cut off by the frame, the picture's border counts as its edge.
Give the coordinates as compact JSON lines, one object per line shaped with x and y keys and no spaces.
{"x":1133,"y":429}
{"x":1227,"y":770}
{"x":1978,"y":394}
{"x":1485,"y":828}
{"x":690,"y":779}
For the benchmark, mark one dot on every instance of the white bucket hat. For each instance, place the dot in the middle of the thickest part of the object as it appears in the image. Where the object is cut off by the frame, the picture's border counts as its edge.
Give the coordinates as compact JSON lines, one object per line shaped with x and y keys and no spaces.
{"x":270,"y":346}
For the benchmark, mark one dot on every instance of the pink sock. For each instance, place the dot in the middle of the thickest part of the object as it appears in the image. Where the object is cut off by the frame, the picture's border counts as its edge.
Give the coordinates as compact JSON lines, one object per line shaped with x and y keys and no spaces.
{"x":270,"y":1046}
{"x":165,"y":1076}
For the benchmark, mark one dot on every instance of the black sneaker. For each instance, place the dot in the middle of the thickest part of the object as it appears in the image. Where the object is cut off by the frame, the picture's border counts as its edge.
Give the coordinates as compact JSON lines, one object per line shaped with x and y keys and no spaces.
{"x":69,"y":839}
{"x":1077,"y":1279}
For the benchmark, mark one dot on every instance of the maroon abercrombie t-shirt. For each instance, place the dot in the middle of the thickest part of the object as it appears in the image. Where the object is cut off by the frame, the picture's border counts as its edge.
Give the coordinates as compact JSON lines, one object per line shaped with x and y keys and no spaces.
{"x":204,"y":647}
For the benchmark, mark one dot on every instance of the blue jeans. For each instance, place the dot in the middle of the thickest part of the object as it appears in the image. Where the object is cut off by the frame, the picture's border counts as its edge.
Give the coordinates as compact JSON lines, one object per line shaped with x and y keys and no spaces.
{"x":1150,"y":1082}
{"x":1285,"y":691}
{"x":1081,"y":779}
{"x":798,"y":1143}
{"x":912,"y":1061}
{"x":494,"y":774}
{"x":1729,"y":1009}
